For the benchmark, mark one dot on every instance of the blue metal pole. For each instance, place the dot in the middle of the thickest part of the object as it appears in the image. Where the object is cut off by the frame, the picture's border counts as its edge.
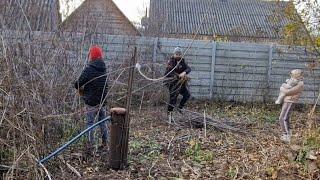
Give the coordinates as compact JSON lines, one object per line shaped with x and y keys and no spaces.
{"x":62,"y":148}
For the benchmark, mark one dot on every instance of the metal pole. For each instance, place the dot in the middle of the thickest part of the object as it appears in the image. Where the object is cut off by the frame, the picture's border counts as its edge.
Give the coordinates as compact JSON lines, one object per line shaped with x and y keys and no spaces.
{"x":125,"y":137}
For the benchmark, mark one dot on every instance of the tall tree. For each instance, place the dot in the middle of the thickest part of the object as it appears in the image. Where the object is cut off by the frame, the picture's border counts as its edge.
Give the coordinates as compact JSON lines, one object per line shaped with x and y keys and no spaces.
{"x":304,"y":26}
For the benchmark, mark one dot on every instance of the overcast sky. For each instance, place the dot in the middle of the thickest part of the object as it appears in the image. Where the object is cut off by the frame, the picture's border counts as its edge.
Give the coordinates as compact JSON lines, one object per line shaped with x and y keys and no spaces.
{"x":133,"y":9}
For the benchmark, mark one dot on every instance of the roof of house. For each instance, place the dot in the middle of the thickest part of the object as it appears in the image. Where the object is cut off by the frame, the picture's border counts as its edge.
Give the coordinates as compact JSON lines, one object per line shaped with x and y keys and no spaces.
{"x":245,"y":18}
{"x":39,"y":15}
{"x":98,"y":16}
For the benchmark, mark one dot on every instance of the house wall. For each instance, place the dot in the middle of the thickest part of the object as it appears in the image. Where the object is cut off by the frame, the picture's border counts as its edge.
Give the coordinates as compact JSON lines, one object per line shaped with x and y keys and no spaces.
{"x":99,"y":16}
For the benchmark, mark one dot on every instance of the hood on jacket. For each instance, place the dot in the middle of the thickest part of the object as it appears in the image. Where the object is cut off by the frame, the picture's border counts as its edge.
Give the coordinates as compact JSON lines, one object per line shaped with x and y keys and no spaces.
{"x":99,"y":65}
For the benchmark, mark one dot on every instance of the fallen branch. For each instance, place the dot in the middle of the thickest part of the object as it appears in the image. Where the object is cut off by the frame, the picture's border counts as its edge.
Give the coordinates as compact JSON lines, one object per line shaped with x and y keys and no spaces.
{"x":74,"y":170}
{"x":6,"y":168}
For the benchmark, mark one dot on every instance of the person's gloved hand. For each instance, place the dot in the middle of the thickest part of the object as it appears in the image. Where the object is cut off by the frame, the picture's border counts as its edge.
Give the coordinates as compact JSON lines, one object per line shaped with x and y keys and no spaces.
{"x":181,"y":75}
{"x":81,"y":91}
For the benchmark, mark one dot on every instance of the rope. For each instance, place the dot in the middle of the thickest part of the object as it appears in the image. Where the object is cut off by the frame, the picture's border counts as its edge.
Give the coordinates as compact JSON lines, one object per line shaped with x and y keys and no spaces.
{"x":138,"y":66}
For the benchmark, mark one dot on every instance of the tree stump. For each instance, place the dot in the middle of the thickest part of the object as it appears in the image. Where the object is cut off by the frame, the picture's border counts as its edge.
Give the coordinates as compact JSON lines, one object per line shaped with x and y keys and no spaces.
{"x":118,"y":145}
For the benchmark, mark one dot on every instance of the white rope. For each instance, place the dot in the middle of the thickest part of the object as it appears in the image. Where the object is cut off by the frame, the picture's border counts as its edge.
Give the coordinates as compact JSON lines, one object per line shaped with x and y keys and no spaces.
{"x":138,"y":66}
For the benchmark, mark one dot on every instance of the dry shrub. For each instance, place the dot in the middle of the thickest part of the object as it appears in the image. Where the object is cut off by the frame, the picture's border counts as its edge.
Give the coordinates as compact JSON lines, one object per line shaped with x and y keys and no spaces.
{"x":36,"y":82}
{"x":39,"y":107}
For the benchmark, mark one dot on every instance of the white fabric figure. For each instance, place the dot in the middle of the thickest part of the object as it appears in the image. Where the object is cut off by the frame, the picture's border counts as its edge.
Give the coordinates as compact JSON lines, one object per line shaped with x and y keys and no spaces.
{"x":290,"y":83}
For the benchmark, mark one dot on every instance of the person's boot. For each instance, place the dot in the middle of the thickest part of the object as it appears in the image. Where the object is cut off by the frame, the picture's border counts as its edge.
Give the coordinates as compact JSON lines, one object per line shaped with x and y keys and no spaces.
{"x":180,"y":110}
{"x":285,"y":138}
{"x":170,"y":117}
{"x":89,"y":149}
{"x":104,"y":146}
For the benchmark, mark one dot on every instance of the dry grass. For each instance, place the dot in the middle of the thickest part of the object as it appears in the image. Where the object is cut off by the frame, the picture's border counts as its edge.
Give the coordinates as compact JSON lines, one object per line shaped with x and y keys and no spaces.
{"x":159,"y":151}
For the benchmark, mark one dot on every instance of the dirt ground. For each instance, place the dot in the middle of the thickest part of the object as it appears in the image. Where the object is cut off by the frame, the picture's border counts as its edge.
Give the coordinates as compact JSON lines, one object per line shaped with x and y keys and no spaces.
{"x":158,"y":150}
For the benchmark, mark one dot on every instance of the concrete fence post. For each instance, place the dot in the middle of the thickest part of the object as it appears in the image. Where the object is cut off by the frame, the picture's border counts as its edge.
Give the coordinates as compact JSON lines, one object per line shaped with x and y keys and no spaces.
{"x":269,"y":72}
{"x":213,"y":64}
{"x":155,"y":45}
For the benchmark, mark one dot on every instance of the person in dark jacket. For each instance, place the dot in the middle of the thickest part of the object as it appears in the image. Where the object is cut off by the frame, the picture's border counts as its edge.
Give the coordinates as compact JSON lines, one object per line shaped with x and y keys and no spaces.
{"x":177,"y":69}
{"x":93,"y":84}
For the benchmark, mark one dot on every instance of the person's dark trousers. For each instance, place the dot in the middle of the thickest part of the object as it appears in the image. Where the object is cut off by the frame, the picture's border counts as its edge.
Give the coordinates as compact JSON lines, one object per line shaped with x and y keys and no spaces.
{"x":93,"y":116}
{"x":175,"y":90}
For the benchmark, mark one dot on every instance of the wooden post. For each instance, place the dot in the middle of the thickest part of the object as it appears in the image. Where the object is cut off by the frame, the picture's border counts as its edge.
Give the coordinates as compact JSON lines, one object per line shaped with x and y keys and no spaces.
{"x":117,"y":129}
{"x":120,"y":126}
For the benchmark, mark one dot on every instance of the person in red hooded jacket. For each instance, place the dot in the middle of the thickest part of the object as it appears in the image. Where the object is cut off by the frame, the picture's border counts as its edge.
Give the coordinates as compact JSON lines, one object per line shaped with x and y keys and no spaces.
{"x":93,"y":83}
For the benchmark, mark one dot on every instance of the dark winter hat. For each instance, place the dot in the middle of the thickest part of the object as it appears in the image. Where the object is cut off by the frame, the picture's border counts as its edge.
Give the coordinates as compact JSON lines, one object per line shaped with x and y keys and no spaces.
{"x":95,"y":53}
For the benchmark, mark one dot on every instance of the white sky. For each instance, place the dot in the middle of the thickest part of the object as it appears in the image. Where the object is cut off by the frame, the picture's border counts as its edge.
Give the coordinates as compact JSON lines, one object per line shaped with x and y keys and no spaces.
{"x":133,"y":9}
